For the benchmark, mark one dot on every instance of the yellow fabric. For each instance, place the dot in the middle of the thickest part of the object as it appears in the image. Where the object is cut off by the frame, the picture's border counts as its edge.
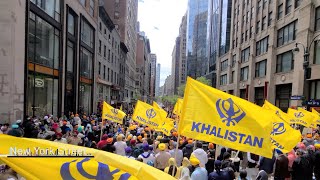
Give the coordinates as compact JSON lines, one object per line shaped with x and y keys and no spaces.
{"x":112,"y":114}
{"x":211,"y":115}
{"x":121,"y":107}
{"x":313,"y":115}
{"x":146,"y":114}
{"x":301,"y":117}
{"x":283,"y":136}
{"x":166,"y":124}
{"x":194,"y":161}
{"x":315,"y":112}
{"x":177,"y":107}
{"x":162,"y":146}
{"x":66,"y":168}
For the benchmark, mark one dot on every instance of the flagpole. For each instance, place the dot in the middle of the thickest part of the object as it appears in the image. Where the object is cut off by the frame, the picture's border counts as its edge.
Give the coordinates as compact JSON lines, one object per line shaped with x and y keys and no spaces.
{"x":101,"y":130}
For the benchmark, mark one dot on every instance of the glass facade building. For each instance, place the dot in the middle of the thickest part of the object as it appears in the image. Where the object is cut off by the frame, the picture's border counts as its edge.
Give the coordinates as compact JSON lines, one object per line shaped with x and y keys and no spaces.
{"x":197,"y":28}
{"x":225,"y":26}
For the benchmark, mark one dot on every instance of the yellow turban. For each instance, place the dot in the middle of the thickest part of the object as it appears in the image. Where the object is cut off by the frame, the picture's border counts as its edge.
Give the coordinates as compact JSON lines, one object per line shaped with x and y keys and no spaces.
{"x":162,"y":146}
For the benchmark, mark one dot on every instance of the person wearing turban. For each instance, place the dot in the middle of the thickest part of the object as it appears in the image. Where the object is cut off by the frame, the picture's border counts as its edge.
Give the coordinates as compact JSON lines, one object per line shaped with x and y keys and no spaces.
{"x":199,"y":173}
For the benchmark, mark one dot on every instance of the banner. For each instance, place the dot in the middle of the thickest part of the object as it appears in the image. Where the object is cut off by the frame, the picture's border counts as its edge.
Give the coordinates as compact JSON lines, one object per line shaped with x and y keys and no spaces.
{"x":167,"y":124}
{"x":146,"y":114}
{"x":317,"y":115}
{"x":112,"y":114}
{"x":211,"y":115}
{"x":300,"y":117}
{"x":312,"y":115}
{"x":177,"y":107}
{"x":283,"y":136}
{"x":97,"y":165}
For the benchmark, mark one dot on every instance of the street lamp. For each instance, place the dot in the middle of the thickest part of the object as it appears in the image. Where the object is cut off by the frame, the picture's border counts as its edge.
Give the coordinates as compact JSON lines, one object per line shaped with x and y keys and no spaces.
{"x":306,"y":68}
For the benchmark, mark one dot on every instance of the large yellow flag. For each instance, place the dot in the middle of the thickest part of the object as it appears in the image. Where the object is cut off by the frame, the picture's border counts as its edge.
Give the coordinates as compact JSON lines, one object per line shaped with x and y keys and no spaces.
{"x":312,"y":115}
{"x":177,"y":107}
{"x":300,"y":117}
{"x":112,"y":114}
{"x":167,"y":124}
{"x":283,"y":136}
{"x":146,"y":114}
{"x":317,"y":115}
{"x":211,"y":115}
{"x":89,"y":164}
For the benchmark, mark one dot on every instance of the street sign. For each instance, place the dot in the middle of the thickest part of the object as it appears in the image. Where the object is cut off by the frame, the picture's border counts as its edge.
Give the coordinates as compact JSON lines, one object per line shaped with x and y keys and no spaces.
{"x":296,"y":97}
{"x":313,"y":102}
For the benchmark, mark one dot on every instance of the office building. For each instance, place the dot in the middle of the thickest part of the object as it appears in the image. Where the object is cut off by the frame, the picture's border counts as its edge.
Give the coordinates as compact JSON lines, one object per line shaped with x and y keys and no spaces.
{"x":153,"y":75}
{"x":157,"y":88}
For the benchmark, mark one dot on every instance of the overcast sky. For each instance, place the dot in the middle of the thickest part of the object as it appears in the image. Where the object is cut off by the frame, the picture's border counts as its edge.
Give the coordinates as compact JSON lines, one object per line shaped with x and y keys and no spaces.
{"x":160,"y":20}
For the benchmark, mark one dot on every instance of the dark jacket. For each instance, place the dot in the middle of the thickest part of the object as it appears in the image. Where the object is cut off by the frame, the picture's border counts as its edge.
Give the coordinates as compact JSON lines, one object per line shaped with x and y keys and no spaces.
{"x":281,"y":170}
{"x":187,"y":150}
{"x":267,"y":164}
{"x":302,"y":169}
{"x":228,"y":163}
{"x":317,"y":164}
{"x":220,"y":175}
{"x":220,"y":157}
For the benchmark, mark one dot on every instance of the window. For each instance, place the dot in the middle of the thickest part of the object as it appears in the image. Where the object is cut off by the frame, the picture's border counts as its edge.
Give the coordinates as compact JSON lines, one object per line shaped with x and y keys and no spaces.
{"x":242,"y":37}
{"x":224,"y":65}
{"x":104,"y":51}
{"x":87,"y":33}
{"x":43,"y":42}
{"x":99,"y":68}
{"x":85,"y":95}
{"x":264,"y":23}
{"x":83,"y":2}
{"x":315,"y":90}
{"x":70,"y":56}
{"x":269,"y":18}
{"x":317,"y":53}
{"x":258,"y":27}
{"x":288,"y":6}
{"x":261,"y":68}
{"x":285,"y":62}
{"x":244,"y":73}
{"x":108,"y":74}
{"x":245,"y":55}
{"x":287,"y":34}
{"x":259,"y":6}
{"x":297,"y":3}
{"x":264,"y":4}
{"x":243,"y":93}
{"x":259,"y":96}
{"x":100,"y":26}
{"x":317,"y":20}
{"x":280,"y":11}
{"x":51,"y":7}
{"x":247,"y":17}
{"x":99,"y":46}
{"x":252,"y":11}
{"x":246,"y":36}
{"x":71,"y":24}
{"x":112,"y":58}
{"x":105,"y":31}
{"x":104,"y":71}
{"x":112,"y":76}
{"x":232,"y":77}
{"x":109,"y":55}
{"x":262,"y":46}
{"x":283,"y":94}
{"x":251,"y":32}
{"x":234,"y":59}
{"x":116,"y":15}
{"x":223,"y":80}
{"x":86,"y":63}
{"x":91,"y":10}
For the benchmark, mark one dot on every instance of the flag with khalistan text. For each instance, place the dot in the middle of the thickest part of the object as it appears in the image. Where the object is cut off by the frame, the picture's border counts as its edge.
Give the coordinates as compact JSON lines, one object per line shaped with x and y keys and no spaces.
{"x":317,"y":115}
{"x":211,"y":115}
{"x":314,"y":117}
{"x":167,"y":124}
{"x":64,"y":161}
{"x":146,"y":114}
{"x":300,"y":117}
{"x":283,"y":136}
{"x":177,"y":107}
{"x":112,"y":114}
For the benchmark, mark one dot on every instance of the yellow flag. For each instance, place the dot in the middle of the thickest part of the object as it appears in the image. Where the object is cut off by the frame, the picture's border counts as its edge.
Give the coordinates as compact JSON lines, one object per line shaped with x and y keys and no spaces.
{"x":300,"y":117}
{"x":121,"y":107}
{"x":167,"y":124}
{"x":97,"y":165}
{"x":211,"y":115}
{"x":284,"y":116}
{"x":146,"y":114}
{"x":317,"y":115}
{"x":112,"y":114}
{"x":283,"y":136}
{"x":177,"y":107}
{"x":314,"y":117}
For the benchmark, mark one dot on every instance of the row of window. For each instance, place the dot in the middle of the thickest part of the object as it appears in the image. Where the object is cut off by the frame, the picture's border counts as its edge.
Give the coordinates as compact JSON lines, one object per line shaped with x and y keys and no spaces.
{"x":111,"y":57}
{"x":109,"y":75}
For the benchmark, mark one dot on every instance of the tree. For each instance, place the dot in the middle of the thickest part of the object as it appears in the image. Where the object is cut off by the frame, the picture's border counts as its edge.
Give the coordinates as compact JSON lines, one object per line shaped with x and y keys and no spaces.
{"x":201,"y":79}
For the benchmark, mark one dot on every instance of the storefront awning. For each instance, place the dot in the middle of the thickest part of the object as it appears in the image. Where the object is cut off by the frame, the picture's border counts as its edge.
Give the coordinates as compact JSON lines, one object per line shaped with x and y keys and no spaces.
{"x":101,"y":81}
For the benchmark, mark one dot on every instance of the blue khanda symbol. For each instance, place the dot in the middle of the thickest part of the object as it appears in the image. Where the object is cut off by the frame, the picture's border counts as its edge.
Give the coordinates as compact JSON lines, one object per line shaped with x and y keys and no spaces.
{"x":298,"y":114}
{"x":278,"y":128}
{"x":151,"y":113}
{"x":103,"y":171}
{"x":114,"y":111}
{"x":229,"y":112}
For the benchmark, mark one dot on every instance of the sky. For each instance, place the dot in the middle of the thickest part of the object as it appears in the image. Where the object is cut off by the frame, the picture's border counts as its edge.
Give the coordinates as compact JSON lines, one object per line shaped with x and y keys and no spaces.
{"x":160,"y":20}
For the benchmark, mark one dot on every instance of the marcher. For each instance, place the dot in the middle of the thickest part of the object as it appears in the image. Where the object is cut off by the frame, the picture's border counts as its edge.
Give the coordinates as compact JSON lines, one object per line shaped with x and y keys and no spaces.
{"x":120,"y":146}
{"x":200,"y":154}
{"x":199,"y":173}
{"x":162,"y":158}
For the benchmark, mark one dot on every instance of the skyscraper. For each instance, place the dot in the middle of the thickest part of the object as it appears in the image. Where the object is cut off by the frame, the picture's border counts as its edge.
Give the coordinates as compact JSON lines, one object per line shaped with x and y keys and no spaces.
{"x":197,"y":20}
{"x":153,"y":70}
{"x":183,"y":45}
{"x":157,"y":88}
{"x":175,"y":65}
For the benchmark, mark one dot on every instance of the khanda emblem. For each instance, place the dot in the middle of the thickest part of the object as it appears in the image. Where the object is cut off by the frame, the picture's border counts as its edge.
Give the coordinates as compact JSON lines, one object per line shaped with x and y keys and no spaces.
{"x":114,"y":111}
{"x":278,"y":128}
{"x":229,"y":112}
{"x":151,"y":113}
{"x":78,"y":170}
{"x":298,"y":114}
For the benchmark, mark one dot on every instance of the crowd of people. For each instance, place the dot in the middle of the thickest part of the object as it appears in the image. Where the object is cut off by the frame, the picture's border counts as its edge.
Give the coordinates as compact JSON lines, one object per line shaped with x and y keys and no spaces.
{"x":182,"y":158}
